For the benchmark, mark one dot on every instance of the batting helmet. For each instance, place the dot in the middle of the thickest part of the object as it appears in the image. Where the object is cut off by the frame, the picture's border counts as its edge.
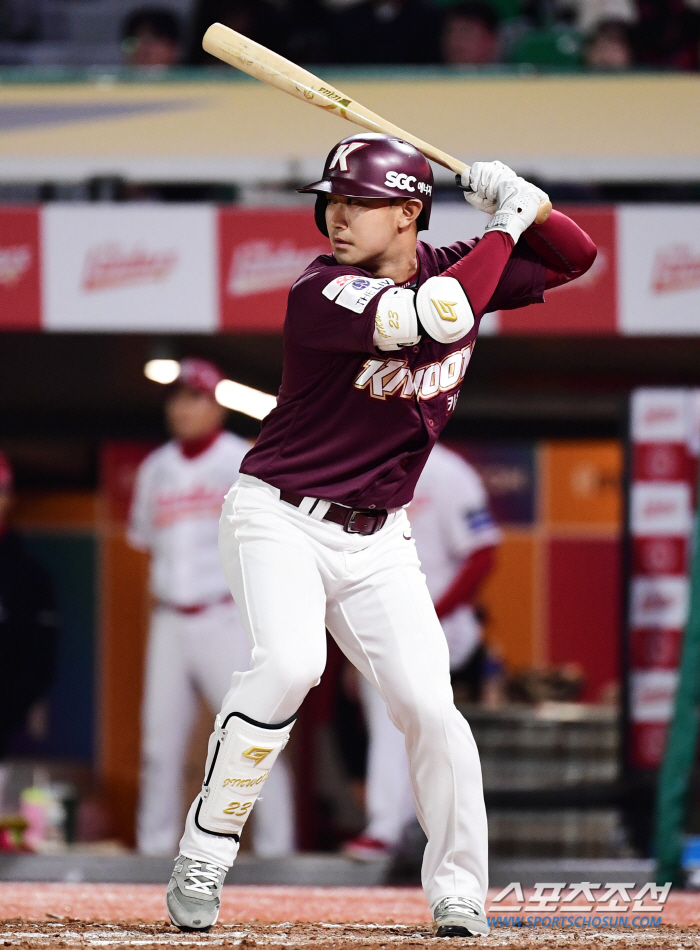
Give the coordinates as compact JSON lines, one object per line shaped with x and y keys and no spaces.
{"x":374,"y":165}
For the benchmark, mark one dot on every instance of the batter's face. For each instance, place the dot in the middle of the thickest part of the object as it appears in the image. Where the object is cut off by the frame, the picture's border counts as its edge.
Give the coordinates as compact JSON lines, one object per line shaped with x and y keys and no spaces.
{"x":366,"y":231}
{"x":193,"y":415}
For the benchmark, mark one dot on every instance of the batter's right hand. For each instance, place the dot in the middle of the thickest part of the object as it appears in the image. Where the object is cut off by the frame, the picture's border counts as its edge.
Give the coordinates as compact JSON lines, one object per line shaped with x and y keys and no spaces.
{"x":518,"y":204}
{"x":480,"y":184}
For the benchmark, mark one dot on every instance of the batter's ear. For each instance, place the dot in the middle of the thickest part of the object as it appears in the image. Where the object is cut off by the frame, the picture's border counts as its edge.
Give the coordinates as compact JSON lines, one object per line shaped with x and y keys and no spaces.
{"x":412,"y":208}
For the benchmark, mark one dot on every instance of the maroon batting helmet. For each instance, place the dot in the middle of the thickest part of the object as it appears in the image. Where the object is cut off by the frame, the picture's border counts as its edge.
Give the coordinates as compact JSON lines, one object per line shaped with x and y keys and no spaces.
{"x":374,"y":165}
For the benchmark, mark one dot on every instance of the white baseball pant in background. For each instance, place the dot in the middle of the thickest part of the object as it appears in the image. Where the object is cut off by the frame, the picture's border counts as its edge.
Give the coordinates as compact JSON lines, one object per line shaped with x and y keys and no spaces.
{"x":188,"y":654}
{"x":292,"y":575}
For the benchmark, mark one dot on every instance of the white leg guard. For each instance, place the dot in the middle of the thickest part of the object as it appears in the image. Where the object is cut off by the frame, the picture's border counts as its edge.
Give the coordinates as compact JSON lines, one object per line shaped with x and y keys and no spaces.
{"x":245,"y":752}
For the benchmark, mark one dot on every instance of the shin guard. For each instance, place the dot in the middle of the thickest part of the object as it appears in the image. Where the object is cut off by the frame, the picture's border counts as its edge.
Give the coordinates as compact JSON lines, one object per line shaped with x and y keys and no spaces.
{"x":245,"y":752}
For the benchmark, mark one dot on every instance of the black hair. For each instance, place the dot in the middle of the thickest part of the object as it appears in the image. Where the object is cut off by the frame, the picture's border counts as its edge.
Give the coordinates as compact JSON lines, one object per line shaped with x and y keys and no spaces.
{"x":160,"y":23}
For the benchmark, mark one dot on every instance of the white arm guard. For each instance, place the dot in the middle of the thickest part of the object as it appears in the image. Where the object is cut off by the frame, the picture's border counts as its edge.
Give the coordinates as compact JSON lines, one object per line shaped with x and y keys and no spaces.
{"x":444,"y":310}
{"x":396,"y":322}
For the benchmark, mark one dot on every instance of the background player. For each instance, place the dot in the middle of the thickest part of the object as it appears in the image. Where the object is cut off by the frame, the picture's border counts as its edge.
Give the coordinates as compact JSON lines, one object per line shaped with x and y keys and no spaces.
{"x":196,"y":640}
{"x":377,"y":339}
{"x":456,"y":541}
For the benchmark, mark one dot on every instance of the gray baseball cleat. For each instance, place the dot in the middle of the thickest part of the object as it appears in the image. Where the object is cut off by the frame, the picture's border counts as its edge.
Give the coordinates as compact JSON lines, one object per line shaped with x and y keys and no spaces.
{"x":459,"y":917}
{"x":193,"y":897}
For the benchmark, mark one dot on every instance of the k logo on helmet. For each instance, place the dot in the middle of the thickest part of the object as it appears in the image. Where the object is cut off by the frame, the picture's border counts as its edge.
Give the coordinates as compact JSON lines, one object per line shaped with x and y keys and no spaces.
{"x":341,"y":155}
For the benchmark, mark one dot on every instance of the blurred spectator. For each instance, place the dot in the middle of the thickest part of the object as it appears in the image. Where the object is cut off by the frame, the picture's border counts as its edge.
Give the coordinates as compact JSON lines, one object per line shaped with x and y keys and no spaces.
{"x":609,"y":47}
{"x":151,"y":37}
{"x":668,"y":33}
{"x":385,"y":31}
{"x":260,"y":20}
{"x":592,"y":14}
{"x":469,"y":34}
{"x":28,"y":637}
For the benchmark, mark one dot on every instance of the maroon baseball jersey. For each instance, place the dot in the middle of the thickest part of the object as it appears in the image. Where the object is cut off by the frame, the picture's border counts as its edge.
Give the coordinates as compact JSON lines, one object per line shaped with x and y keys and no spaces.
{"x":354,"y":424}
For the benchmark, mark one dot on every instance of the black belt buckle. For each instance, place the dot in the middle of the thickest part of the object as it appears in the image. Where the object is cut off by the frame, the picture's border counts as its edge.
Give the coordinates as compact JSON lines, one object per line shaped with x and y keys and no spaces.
{"x":365,"y":521}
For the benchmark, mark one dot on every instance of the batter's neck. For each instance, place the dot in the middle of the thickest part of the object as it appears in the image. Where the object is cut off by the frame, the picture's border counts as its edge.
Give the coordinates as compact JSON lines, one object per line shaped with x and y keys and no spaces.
{"x":399,"y":263}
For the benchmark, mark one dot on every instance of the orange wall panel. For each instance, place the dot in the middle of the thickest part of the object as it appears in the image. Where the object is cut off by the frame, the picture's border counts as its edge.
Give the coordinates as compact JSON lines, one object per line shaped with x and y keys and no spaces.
{"x":581,"y":484}
{"x":70,"y":510}
{"x":508,"y":597}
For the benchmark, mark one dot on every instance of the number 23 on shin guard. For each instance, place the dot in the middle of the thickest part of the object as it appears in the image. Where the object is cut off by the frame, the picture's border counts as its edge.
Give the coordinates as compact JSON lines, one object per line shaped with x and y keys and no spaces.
{"x":244,"y":754}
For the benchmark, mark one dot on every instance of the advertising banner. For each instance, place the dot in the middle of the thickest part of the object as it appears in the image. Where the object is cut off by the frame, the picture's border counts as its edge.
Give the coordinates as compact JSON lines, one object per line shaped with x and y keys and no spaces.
{"x":131,"y":268}
{"x":660,"y":512}
{"x":659,"y":270}
{"x":261,"y":253}
{"x":20,"y":307}
{"x":192,"y":268}
{"x":587,"y":305}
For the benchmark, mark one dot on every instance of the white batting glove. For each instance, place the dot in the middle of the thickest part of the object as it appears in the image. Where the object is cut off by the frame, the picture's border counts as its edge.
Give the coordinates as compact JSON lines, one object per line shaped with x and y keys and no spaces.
{"x":480,"y":184}
{"x":518,"y":204}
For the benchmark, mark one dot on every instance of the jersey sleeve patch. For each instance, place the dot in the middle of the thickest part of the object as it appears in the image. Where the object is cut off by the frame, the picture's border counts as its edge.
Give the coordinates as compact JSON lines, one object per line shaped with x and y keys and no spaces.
{"x":333,"y":289}
{"x":357,"y":293}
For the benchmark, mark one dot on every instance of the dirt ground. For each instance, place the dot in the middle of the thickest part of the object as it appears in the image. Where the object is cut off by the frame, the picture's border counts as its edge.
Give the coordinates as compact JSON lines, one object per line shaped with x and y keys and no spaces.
{"x":31,"y":935}
{"x":112,"y":916}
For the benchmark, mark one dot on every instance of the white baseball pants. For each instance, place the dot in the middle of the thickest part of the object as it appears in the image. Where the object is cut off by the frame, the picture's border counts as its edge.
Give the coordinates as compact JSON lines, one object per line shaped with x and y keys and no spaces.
{"x":292,"y":576}
{"x":186,"y":655}
{"x":389,"y":804}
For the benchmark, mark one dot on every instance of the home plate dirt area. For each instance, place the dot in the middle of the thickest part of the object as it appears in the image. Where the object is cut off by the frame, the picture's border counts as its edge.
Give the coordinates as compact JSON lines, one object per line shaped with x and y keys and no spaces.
{"x":132,"y":915}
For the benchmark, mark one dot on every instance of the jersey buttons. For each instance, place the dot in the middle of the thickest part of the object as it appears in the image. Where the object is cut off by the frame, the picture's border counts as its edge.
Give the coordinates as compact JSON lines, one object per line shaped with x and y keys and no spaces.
{"x":431,"y":423}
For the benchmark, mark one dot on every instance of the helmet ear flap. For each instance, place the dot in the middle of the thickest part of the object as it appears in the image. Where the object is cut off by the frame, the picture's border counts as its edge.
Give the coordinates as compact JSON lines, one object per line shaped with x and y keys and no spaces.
{"x":320,"y":213}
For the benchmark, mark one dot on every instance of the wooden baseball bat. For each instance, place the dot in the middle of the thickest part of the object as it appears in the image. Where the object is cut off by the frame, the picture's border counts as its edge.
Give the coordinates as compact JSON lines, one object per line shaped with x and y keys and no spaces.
{"x":261,"y":63}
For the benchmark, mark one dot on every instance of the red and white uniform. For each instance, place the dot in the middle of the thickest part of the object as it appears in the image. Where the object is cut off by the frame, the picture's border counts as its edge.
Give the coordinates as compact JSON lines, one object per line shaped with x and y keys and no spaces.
{"x":450,"y":522}
{"x":196,"y":639}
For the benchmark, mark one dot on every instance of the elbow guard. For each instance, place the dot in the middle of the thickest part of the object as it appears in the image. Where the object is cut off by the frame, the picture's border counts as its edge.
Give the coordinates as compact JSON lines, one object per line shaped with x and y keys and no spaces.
{"x":444,"y":309}
{"x":396,"y":321}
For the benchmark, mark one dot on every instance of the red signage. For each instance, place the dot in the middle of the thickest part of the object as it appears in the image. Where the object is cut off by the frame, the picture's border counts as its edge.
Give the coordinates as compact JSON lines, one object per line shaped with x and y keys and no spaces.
{"x":587,"y":305}
{"x":261,"y":253}
{"x":20,"y":307}
{"x":119,"y":463}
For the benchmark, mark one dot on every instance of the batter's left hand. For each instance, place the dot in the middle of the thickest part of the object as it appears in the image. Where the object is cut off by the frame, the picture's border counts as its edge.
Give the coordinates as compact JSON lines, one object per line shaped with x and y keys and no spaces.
{"x":480,"y":184}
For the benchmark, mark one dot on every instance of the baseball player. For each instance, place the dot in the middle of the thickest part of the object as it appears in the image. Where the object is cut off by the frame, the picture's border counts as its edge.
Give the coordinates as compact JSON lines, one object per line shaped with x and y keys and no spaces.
{"x":456,"y":541}
{"x":196,"y":639}
{"x":377,"y":338}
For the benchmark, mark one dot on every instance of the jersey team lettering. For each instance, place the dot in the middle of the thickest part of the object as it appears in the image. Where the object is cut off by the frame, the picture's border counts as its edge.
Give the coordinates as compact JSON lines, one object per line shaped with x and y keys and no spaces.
{"x":393,"y":377}
{"x":355,"y":292}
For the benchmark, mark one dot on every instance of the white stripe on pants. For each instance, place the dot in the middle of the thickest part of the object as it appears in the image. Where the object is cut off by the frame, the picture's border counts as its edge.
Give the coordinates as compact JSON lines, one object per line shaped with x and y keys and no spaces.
{"x":186,"y":655}
{"x":292,"y":576}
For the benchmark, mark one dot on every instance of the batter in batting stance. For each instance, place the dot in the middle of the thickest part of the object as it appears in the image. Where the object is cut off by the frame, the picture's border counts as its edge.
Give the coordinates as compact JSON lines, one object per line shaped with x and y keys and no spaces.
{"x":377,"y":339}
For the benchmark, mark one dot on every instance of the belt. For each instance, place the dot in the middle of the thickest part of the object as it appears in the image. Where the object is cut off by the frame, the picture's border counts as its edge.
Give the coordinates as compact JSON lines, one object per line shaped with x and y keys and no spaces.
{"x":189,"y":610}
{"x":352,"y":520}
